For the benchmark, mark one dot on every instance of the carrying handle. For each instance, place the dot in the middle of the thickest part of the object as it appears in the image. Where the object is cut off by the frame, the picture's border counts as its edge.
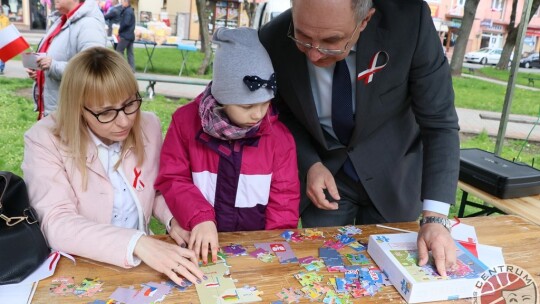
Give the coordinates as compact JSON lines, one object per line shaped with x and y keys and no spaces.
{"x":28,"y":213}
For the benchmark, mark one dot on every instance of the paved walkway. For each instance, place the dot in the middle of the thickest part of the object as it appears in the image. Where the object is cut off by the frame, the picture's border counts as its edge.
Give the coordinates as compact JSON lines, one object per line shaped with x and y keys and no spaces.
{"x":471,"y":121}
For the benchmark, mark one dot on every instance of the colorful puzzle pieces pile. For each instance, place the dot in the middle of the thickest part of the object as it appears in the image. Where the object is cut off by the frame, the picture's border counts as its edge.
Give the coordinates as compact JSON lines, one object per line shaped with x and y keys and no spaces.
{"x":66,"y":286}
{"x":307,"y":234}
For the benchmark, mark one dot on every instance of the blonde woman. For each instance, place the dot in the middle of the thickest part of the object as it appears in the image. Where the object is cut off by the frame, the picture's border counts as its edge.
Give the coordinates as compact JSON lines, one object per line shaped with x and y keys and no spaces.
{"x":90,"y":169}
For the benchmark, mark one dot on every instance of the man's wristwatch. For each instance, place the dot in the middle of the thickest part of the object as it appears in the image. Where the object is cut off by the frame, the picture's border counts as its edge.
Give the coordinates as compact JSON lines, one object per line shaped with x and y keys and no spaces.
{"x":438,"y":220}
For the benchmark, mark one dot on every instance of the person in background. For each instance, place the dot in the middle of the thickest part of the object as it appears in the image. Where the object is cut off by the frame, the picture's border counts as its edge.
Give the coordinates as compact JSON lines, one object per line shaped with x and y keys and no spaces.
{"x":366,"y":91}
{"x":90,"y":169}
{"x":113,"y":16}
{"x":4,"y":22}
{"x":227,"y":163}
{"x":127,"y":33}
{"x":76,"y":25}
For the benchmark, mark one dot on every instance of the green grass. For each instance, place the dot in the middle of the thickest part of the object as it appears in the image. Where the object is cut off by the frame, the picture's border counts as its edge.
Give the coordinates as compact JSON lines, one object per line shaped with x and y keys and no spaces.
{"x":16,"y":116}
{"x":481,"y":95}
{"x":502,"y":75}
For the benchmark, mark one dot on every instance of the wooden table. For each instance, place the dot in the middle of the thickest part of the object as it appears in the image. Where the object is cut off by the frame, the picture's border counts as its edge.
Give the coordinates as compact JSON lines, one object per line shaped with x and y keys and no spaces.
{"x":519,"y":239}
{"x":527,"y":207}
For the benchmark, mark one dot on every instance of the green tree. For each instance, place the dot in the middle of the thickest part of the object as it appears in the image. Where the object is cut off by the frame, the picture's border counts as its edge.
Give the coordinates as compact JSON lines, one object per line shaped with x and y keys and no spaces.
{"x":469,"y":11}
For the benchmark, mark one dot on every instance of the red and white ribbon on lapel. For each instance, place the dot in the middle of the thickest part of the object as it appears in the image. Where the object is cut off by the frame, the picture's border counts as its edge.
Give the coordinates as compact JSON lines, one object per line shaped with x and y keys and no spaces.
{"x":367,"y":75}
{"x":137,"y":183}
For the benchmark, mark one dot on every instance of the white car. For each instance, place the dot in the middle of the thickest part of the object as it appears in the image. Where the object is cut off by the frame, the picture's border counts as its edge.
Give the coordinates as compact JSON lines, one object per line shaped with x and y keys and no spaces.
{"x":484,"y":56}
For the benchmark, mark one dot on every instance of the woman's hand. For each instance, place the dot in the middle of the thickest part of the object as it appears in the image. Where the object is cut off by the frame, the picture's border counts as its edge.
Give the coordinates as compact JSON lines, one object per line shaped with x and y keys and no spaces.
{"x":204,"y":238}
{"x":169,"y":259}
{"x":44,"y":62}
{"x":32,"y":74}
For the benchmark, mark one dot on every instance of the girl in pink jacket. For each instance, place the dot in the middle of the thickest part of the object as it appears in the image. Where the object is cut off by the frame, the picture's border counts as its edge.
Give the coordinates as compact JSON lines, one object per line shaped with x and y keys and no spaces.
{"x":227,"y":163}
{"x":90,"y":169}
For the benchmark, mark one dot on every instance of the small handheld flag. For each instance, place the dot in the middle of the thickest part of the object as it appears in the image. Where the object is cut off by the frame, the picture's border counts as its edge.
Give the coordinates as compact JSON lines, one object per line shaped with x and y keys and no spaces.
{"x":12,"y":43}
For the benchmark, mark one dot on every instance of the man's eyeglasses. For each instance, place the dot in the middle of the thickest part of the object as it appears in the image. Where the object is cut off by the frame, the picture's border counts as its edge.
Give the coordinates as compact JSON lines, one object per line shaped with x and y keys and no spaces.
{"x":111,"y":114}
{"x":325,"y":51}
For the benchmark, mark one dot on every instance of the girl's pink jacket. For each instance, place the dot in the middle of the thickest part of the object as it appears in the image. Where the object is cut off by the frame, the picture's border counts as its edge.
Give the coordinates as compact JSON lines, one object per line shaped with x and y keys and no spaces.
{"x":246,"y":184}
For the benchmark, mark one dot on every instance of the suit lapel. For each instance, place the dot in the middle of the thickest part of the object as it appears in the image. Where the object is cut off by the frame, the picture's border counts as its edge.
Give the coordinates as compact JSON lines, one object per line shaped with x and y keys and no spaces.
{"x":92,"y":160}
{"x":370,"y":42}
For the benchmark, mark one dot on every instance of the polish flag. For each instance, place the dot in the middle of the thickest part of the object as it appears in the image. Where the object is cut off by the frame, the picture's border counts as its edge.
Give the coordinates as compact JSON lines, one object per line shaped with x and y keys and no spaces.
{"x":11,"y":43}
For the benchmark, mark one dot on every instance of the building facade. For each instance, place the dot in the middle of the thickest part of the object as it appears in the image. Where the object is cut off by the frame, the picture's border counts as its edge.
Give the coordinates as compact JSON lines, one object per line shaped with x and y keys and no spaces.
{"x":490,"y":26}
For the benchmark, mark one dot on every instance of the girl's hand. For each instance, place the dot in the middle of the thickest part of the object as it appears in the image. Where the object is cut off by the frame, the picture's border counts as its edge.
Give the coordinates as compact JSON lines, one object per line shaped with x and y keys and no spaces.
{"x":204,"y":238}
{"x":169,"y":259}
{"x":180,"y":235}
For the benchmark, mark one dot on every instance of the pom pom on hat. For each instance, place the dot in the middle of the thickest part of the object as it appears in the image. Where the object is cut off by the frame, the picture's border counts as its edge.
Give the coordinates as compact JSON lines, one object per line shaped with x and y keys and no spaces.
{"x":243,"y":72}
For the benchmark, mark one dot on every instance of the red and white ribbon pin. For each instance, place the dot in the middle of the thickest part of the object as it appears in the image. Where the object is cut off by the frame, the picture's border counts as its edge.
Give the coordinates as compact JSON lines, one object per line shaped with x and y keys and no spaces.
{"x":367,"y":75}
{"x":137,"y":183}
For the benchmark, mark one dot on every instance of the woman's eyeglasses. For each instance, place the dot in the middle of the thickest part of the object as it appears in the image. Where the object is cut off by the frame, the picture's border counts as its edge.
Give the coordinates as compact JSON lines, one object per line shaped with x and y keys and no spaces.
{"x":111,"y":114}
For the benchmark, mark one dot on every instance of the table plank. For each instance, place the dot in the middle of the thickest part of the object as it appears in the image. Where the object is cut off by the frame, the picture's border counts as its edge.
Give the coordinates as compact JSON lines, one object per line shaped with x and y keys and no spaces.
{"x":519,"y":239}
{"x":527,"y":207}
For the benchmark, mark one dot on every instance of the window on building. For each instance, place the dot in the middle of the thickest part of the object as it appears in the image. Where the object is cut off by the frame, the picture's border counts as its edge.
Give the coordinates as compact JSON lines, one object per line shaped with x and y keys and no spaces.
{"x":497,"y":5}
{"x":460,"y":3}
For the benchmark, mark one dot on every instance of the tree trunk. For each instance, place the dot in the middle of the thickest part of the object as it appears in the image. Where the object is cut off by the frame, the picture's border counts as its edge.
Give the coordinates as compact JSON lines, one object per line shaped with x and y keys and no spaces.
{"x":206,"y":43}
{"x":511,"y":38}
{"x":463,"y":36}
{"x":509,"y":43}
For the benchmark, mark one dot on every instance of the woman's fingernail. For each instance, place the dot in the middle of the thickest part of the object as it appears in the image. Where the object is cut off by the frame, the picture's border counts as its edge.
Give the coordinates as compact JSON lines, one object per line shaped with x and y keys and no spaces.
{"x":199,"y":281}
{"x":183,"y":284}
{"x":183,"y":245}
{"x":205,"y":278}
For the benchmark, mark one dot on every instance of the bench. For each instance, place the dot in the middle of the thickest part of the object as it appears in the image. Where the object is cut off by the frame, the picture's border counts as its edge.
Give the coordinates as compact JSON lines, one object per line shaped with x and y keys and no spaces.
{"x":153,"y":79}
{"x":532,"y":79}
{"x":527,"y":207}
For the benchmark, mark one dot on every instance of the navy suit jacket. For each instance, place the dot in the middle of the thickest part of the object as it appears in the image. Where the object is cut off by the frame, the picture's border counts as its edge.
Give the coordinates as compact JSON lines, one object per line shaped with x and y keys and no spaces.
{"x":405,"y":145}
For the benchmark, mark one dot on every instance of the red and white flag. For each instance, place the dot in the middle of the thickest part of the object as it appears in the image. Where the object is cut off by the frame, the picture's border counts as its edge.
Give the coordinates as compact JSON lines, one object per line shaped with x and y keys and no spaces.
{"x":11,"y":43}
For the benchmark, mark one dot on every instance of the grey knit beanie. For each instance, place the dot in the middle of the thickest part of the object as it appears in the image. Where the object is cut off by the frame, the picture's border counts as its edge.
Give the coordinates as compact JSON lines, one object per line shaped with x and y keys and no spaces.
{"x":243,"y":72}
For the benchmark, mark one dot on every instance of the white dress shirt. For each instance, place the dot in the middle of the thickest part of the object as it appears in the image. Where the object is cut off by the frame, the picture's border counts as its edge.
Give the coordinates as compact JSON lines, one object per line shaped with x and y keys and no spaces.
{"x":127,"y":212}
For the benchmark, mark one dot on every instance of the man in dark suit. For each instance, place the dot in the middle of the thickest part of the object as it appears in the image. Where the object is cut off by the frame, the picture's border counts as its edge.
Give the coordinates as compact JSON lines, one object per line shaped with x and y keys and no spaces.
{"x":392,"y":154}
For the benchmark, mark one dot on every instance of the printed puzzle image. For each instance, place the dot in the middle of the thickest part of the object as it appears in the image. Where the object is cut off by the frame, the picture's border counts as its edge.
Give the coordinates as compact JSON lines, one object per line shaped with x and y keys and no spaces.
{"x":466,"y":267}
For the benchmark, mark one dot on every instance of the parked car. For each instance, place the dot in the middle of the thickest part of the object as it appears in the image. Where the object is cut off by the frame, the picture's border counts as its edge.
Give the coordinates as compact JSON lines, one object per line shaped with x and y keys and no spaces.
{"x":484,"y":56}
{"x":533,"y":60}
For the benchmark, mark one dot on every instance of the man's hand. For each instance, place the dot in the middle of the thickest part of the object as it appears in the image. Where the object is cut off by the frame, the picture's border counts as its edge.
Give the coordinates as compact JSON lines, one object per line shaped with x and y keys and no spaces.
{"x":319,"y":178}
{"x":436,"y":238}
